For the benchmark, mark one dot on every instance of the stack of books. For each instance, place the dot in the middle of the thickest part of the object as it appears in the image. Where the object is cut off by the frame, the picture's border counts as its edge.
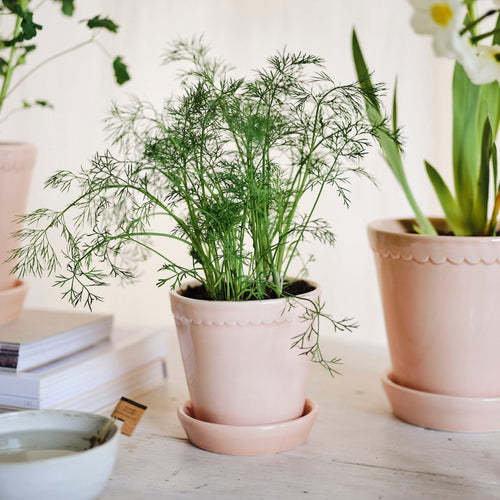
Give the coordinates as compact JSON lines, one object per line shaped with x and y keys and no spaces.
{"x":76,"y":361}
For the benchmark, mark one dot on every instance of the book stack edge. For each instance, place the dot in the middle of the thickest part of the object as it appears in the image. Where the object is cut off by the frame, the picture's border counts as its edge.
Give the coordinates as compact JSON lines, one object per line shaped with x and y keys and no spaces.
{"x":76,"y":361}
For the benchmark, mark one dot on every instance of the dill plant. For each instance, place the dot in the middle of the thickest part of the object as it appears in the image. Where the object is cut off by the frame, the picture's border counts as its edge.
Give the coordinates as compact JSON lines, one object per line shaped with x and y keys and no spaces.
{"x":230,"y":161}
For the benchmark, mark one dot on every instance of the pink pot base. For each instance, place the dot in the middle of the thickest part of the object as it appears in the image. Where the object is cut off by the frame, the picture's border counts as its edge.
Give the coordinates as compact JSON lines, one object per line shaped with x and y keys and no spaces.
{"x":251,"y":439}
{"x":11,"y":301}
{"x":442,"y":412}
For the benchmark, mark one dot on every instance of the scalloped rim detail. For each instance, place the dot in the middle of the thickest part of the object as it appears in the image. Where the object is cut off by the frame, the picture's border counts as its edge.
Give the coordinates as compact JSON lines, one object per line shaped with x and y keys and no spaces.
{"x":259,"y":322}
{"x":434,"y":260}
{"x":15,"y":167}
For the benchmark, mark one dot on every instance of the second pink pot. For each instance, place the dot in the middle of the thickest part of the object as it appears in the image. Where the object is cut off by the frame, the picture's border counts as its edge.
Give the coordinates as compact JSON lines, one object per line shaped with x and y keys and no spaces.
{"x":16,"y":164}
{"x":441,"y":299}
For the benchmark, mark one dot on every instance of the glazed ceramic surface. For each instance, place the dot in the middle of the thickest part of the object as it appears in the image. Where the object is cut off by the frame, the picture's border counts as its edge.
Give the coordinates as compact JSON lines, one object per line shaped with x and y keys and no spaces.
{"x":238,"y":360}
{"x":44,"y":455}
{"x":442,"y":412}
{"x":16,"y":163}
{"x":248,"y":439}
{"x":441,"y":299}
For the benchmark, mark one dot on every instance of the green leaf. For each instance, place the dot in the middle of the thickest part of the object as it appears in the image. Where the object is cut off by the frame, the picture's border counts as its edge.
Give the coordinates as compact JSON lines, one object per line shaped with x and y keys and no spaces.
{"x":11,"y":5}
{"x":44,"y":104}
{"x":395,"y":107}
{"x":28,"y":27}
{"x":494,"y":166}
{"x":490,"y":105}
{"x":466,"y":138}
{"x":3,"y":66}
{"x":362,"y":69}
{"x":390,"y":148}
{"x":39,"y":102}
{"x":102,"y":22}
{"x":22,"y":58}
{"x":480,"y":210}
{"x":67,"y":7}
{"x":121,"y":71}
{"x":448,"y":203}
{"x":496,"y":37}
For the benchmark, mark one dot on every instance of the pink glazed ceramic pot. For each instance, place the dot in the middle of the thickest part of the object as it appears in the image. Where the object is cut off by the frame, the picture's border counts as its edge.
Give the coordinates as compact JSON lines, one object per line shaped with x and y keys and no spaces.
{"x":441,"y":299}
{"x":16,"y":164}
{"x":238,"y":360}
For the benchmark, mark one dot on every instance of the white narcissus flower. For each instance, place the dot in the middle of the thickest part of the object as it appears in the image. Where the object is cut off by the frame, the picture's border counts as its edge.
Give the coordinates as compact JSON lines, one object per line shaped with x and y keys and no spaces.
{"x":484,"y":66}
{"x":443,"y":20}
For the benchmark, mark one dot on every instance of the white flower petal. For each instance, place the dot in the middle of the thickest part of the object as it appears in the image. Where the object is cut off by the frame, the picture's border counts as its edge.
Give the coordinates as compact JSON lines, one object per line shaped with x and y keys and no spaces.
{"x":423,"y":24}
{"x":422,"y":4}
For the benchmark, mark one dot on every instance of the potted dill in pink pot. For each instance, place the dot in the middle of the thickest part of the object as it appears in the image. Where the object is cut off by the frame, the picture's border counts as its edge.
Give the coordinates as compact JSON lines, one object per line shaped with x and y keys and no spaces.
{"x":223,"y":168}
{"x":439,"y":277}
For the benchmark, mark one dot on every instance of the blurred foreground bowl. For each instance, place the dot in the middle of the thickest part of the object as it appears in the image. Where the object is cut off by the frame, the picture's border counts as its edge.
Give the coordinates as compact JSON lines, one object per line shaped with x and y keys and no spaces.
{"x":47,"y":454}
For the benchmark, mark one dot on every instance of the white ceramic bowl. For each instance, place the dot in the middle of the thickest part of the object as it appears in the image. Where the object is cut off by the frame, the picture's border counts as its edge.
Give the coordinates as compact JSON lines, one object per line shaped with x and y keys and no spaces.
{"x":44,"y":455}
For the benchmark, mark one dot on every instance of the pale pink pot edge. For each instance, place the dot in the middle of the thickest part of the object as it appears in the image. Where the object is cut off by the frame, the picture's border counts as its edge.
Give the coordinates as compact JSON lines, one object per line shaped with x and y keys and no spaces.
{"x":11,"y":302}
{"x":245,"y":439}
{"x":442,"y":412}
{"x":440,"y":297}
{"x":16,"y":165}
{"x":238,"y":361}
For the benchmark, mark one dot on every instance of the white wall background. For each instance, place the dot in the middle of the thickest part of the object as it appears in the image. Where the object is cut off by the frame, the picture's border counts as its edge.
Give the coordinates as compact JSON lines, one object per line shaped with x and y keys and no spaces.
{"x":245,"y":33}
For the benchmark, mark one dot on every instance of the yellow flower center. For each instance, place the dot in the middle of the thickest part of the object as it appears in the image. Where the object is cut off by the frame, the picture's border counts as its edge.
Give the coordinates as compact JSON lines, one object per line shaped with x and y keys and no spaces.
{"x":441,"y":13}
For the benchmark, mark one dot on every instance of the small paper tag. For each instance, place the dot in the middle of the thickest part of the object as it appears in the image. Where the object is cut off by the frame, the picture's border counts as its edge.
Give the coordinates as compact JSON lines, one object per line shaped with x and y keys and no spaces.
{"x":129,"y":412}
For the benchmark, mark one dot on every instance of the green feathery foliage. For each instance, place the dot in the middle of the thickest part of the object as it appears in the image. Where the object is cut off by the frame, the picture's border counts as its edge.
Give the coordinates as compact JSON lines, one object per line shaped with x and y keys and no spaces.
{"x":230,"y":161}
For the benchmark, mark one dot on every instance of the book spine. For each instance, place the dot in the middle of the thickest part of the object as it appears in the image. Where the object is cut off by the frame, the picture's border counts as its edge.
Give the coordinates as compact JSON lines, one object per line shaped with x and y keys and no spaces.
{"x":102,"y":368}
{"x":24,"y":385}
{"x":9,"y":355}
{"x":19,"y":402}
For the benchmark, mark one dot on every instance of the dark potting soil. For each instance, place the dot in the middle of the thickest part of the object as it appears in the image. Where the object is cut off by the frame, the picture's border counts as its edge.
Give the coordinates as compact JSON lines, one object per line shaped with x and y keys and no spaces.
{"x":290,"y":289}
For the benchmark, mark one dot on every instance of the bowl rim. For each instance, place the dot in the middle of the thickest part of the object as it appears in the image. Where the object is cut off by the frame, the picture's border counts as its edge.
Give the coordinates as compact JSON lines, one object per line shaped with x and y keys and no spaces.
{"x":15,"y":415}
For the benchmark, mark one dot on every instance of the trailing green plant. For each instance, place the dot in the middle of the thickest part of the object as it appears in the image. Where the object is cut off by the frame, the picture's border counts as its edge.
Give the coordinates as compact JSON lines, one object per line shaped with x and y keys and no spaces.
{"x":18,"y":42}
{"x":454,"y":26}
{"x":229,"y":162}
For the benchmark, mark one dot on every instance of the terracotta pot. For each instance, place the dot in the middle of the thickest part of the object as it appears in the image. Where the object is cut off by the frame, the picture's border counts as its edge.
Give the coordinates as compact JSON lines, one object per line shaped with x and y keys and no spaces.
{"x":16,"y":164}
{"x":238,"y":360}
{"x":441,"y":299}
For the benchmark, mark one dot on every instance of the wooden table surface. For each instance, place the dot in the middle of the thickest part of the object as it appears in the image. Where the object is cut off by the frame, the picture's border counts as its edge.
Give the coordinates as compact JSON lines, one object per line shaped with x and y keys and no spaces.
{"x":356,"y":449}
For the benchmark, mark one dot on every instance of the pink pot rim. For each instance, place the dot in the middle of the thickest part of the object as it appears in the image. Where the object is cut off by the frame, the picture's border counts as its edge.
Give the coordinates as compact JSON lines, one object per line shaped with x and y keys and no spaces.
{"x":16,"y":144}
{"x":238,"y":303}
{"x":239,"y":313}
{"x":390,"y":239}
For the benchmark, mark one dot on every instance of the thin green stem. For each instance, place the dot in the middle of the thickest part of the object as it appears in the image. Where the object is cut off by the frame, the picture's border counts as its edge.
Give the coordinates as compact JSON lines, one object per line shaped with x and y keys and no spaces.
{"x":46,"y":61}
{"x":478,"y":38}
{"x":10,"y":65}
{"x":474,"y":23}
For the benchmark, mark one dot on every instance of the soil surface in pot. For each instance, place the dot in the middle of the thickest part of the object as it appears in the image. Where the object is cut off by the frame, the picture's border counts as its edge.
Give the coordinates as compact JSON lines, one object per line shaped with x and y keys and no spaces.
{"x":290,"y":289}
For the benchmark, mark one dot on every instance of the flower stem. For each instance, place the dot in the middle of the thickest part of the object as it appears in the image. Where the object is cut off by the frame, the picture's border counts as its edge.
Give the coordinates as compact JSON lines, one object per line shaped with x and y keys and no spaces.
{"x":478,"y":38}
{"x":471,"y":25}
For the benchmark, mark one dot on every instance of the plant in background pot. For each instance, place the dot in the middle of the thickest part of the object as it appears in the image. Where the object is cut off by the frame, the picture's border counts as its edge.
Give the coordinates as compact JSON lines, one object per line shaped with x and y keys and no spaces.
{"x":439,"y":277}
{"x":18,"y":158}
{"x":232,"y":168}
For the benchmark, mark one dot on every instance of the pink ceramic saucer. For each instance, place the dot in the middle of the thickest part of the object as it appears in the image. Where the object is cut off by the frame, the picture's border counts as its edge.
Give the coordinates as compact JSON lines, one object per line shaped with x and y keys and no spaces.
{"x":248,"y":440}
{"x":11,"y":301}
{"x":442,"y":412}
